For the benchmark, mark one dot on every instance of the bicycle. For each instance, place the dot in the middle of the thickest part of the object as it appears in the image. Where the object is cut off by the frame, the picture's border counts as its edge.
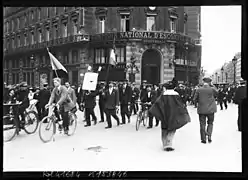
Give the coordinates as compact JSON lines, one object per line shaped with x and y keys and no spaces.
{"x":142,"y":115}
{"x":11,"y":122}
{"x":49,"y":122}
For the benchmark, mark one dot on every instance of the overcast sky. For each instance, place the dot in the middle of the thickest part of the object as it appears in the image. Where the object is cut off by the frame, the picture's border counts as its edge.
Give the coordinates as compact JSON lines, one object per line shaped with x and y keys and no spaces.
{"x":221,"y":35}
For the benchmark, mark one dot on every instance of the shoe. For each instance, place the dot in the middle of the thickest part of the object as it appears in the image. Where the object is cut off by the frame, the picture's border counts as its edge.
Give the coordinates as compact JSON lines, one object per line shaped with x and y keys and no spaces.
{"x":86,"y":125}
{"x":60,"y":127}
{"x":118,"y":123}
{"x":169,"y":149}
{"x":108,"y":127}
{"x":203,"y":141}
{"x":209,"y":139}
{"x":101,"y":121}
{"x":95,"y":121}
{"x":66,"y":132}
{"x":123,"y":123}
{"x":156,"y":125}
{"x":149,"y":127}
{"x":129,"y":120}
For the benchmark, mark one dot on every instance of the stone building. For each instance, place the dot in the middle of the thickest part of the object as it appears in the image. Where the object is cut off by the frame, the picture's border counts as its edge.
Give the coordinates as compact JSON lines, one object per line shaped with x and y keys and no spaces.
{"x":155,"y":37}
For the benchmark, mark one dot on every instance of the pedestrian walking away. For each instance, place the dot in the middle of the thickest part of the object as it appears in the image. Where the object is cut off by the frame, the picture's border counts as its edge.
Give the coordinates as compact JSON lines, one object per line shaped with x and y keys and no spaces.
{"x":205,"y":97}
{"x":172,"y":112}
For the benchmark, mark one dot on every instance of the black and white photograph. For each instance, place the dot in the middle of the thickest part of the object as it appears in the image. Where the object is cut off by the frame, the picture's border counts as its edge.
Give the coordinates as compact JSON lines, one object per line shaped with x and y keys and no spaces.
{"x":134,"y":88}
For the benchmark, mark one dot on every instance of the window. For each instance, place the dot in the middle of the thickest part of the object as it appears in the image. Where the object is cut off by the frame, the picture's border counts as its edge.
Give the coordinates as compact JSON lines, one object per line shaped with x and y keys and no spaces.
{"x":47,"y":34}
{"x":25,"y":39}
{"x":39,"y":35}
{"x":13,"y":42}
{"x":101,"y":55}
{"x":199,"y":23}
{"x":32,"y":16}
{"x":25,"y":19}
{"x":125,"y":23}
{"x":74,"y":56}
{"x":7,"y":44}
{"x":12,"y":25}
{"x":47,"y":12}
{"x":28,"y":78}
{"x":173,"y":25}
{"x":39,"y":13}
{"x":18,"y":41}
{"x":75,"y":28}
{"x":55,"y":32}
{"x":14,"y":78}
{"x":65,"y":9}
{"x":18,"y":23}
{"x":32,"y":37}
{"x":64,"y":29}
{"x":7,"y":27}
{"x":24,"y":77}
{"x":120,"y":52}
{"x":150,"y":23}
{"x":17,"y":65}
{"x":101,"y":24}
{"x":55,"y":11}
{"x":66,"y":60}
{"x":184,"y":28}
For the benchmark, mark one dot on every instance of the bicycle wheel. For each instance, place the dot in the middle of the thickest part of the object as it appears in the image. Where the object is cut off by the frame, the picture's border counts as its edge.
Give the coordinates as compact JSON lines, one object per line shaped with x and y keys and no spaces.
{"x":31,"y":122}
{"x":47,"y":129}
{"x":138,"y":121}
{"x":9,"y":128}
{"x":72,"y":124}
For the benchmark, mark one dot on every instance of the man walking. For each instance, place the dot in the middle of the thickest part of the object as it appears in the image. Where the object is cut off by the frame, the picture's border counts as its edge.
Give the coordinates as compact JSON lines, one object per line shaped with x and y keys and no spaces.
{"x":79,"y":94}
{"x":43,"y":99}
{"x":205,"y":97}
{"x":134,"y":99}
{"x":111,"y":98}
{"x":101,"y":101}
{"x":71,"y":93}
{"x":125,"y":94}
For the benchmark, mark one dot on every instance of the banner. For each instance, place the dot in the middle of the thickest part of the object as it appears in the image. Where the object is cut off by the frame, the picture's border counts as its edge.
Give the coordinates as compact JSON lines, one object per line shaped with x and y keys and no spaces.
{"x":90,"y":81}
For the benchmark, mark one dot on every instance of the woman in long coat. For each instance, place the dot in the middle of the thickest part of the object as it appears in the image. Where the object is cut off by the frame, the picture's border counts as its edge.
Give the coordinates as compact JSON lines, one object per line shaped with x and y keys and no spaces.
{"x":172,"y":112}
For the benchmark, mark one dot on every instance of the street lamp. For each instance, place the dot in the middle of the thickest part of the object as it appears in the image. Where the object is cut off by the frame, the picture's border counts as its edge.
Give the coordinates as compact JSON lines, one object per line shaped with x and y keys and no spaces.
{"x":234,"y":61}
{"x":226,"y":76}
{"x":186,"y":58}
{"x":132,"y":68}
{"x":222,"y":71}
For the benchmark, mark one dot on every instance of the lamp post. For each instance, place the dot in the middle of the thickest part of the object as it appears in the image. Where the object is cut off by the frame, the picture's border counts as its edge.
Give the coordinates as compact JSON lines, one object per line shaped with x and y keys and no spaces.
{"x":222,"y":72}
{"x":132,"y":68}
{"x":234,"y":61}
{"x":226,"y":76}
{"x":186,"y":59}
{"x":216,"y":74}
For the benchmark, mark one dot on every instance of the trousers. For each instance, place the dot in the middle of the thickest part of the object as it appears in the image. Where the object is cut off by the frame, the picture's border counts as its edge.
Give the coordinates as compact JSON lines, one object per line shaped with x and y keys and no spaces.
{"x":203,"y":131}
{"x":88,"y":112}
{"x":109,"y":113}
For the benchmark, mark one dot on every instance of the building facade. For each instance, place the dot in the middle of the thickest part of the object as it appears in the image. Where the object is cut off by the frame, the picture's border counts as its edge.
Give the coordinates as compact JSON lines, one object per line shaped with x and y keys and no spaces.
{"x":155,"y":37}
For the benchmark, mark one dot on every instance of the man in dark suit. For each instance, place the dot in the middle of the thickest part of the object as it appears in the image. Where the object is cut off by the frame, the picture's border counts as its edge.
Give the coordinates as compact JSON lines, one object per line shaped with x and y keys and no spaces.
{"x":79,"y":95}
{"x":89,"y":104}
{"x":125,"y":94}
{"x":111,"y":98}
{"x":150,"y":97}
{"x":222,"y":97}
{"x":43,"y":99}
{"x":134,"y":99}
{"x":63,"y":103}
{"x":239,"y":97}
{"x":205,"y":97}
{"x":101,"y":101}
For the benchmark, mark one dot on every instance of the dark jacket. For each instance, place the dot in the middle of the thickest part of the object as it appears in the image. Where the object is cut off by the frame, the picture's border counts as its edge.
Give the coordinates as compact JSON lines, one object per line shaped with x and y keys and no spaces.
{"x":205,"y":97}
{"x":22,"y":95}
{"x":170,"y":110}
{"x":125,"y":97}
{"x":222,"y":95}
{"x":152,"y":99}
{"x":43,"y":97}
{"x":240,"y":94}
{"x":135,"y":94}
{"x":142,"y":94}
{"x":111,"y":100}
{"x":90,"y":99}
{"x":79,"y":94}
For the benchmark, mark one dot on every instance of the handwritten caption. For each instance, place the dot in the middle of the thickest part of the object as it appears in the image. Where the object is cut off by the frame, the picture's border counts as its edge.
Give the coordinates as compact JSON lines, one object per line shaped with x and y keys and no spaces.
{"x":110,"y":174}
{"x":63,"y":174}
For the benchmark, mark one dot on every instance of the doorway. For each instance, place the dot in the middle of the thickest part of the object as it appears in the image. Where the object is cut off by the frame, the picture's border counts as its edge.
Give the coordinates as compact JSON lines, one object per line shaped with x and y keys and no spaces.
{"x":151,"y":63}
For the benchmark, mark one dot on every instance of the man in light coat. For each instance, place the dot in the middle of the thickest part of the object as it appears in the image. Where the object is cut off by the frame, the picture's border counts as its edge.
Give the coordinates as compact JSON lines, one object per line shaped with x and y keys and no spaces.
{"x":205,"y":97}
{"x":71,"y":93}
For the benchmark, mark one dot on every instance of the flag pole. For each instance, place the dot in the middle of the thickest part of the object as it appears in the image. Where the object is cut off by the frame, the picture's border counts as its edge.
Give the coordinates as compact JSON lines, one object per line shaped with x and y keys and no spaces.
{"x":51,"y":62}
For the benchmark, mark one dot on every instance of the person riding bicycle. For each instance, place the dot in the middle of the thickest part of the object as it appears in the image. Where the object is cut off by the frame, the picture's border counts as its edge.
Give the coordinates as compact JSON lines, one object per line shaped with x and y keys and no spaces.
{"x":64,"y":104}
{"x":22,"y":97}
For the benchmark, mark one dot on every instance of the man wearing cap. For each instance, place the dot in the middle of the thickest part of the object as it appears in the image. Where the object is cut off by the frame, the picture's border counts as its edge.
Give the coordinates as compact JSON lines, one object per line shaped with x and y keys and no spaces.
{"x":63,"y":103}
{"x":125,"y":95}
{"x":43,"y":99}
{"x":238,"y":99}
{"x":205,"y":97}
{"x":111,"y":98}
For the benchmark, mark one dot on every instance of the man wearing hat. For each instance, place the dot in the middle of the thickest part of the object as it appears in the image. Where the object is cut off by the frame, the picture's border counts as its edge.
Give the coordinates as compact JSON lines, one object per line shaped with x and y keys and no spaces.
{"x":205,"y":97}
{"x":125,"y":95}
{"x":101,"y":102}
{"x":111,"y":98}
{"x":22,"y":96}
{"x":143,"y":90}
{"x":43,"y":99}
{"x":134,"y":99}
{"x":238,"y":99}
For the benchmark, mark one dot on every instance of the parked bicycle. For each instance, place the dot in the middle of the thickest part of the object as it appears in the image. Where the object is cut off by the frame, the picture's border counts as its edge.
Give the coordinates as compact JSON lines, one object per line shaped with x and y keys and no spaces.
{"x":48,"y":125}
{"x":142,"y":116}
{"x":12,"y":124}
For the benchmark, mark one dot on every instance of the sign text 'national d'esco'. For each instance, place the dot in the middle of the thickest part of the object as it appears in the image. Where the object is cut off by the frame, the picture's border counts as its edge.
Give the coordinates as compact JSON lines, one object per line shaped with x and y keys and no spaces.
{"x":144,"y":35}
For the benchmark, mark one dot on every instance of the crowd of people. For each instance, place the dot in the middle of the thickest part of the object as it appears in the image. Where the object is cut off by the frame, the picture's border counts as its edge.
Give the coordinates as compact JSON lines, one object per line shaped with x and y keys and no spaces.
{"x":126,"y":98}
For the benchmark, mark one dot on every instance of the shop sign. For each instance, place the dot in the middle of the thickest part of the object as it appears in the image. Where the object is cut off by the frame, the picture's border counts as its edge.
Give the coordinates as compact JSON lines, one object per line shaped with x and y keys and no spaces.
{"x":143,"y":35}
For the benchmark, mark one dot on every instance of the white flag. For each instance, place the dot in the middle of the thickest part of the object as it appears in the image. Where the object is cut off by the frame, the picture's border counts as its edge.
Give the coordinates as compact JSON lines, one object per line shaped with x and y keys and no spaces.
{"x":100,"y":68}
{"x":112,"y":58}
{"x":56,"y":65}
{"x":89,"y":68}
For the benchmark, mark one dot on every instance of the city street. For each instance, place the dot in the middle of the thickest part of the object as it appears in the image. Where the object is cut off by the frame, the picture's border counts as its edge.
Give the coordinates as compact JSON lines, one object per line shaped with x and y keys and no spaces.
{"x":125,"y":149}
